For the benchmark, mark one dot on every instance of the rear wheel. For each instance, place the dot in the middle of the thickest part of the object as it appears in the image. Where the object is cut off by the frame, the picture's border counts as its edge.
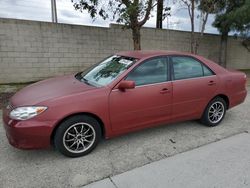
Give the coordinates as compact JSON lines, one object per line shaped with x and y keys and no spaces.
{"x":77,"y":136}
{"x":214,"y":112}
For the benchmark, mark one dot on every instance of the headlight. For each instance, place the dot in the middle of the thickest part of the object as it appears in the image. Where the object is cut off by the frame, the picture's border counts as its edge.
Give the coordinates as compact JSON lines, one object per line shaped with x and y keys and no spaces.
{"x":27,"y":112}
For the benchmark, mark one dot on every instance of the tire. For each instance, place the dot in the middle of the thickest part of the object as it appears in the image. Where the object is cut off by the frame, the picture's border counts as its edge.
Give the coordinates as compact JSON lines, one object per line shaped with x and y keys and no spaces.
{"x":77,"y":136}
{"x":213,"y":118}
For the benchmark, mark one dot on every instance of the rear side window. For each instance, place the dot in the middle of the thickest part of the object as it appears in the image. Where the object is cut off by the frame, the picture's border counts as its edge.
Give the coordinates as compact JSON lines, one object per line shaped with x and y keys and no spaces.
{"x":187,"y":67}
{"x":207,"y":71}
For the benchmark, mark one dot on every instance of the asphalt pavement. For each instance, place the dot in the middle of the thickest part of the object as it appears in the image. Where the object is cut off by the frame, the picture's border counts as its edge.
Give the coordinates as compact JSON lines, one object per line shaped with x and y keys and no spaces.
{"x":48,"y":168}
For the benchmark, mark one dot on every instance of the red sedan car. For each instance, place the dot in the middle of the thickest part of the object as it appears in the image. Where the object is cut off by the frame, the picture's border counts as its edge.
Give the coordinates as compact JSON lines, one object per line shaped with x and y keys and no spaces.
{"x":123,"y":93}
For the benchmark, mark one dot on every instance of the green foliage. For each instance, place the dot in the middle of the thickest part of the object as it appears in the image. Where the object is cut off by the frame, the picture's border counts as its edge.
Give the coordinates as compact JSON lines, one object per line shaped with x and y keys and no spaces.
{"x":121,"y":11}
{"x":133,"y":13}
{"x":166,"y":12}
{"x":233,"y":16}
{"x":91,"y":6}
{"x":211,"y":6}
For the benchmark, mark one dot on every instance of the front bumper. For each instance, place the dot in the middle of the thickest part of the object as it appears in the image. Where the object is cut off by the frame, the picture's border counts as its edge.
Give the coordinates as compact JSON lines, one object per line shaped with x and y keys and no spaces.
{"x":28,"y":134}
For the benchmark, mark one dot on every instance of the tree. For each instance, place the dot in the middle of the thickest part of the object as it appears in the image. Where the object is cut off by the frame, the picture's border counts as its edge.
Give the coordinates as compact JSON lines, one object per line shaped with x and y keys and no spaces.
{"x":206,"y":7}
{"x":134,"y":14}
{"x":233,"y":16}
{"x":191,"y":7}
{"x":161,"y":13}
{"x":246,"y":37}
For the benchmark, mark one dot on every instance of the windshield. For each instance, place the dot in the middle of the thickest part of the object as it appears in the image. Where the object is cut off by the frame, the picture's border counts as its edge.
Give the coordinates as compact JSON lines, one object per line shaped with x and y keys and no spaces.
{"x":106,"y":71}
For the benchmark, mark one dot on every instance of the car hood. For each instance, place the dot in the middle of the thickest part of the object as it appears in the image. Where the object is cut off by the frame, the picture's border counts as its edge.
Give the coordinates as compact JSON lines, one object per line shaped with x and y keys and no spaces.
{"x":49,"y":89}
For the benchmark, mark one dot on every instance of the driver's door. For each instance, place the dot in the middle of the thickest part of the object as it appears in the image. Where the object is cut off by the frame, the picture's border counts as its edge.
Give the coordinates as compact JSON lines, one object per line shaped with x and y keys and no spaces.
{"x":149,"y":102}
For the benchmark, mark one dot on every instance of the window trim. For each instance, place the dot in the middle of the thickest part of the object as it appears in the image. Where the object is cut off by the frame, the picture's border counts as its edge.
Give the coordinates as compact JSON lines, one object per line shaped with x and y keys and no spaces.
{"x":151,"y":58}
{"x":191,"y":57}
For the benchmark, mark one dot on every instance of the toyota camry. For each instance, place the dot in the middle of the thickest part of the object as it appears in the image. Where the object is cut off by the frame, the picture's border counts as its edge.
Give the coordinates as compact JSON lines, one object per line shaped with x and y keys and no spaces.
{"x":125,"y":92}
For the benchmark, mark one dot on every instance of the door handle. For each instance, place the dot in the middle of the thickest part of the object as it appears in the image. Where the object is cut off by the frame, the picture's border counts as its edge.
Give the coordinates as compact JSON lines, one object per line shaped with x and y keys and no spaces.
{"x":210,"y":83}
{"x":164,"y":90}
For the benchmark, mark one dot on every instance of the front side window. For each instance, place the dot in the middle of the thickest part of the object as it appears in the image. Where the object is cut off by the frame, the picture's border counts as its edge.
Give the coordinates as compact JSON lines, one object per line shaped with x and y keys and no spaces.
{"x":106,"y":71}
{"x":149,"y":72}
{"x":186,"y":67}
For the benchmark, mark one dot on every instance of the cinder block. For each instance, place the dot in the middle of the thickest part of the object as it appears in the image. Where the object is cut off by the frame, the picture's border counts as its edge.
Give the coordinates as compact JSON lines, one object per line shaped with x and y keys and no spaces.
{"x":36,"y":50}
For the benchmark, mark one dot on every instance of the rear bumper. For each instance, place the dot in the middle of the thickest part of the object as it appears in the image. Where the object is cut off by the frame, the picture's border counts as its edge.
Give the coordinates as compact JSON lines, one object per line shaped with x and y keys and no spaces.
{"x":28,"y":134}
{"x":237,"y":98}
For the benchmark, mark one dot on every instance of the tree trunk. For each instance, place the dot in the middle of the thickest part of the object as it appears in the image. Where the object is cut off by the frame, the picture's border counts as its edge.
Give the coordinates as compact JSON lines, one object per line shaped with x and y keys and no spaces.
{"x":159,"y":14}
{"x":204,"y":22}
{"x":223,"y":49}
{"x":136,"y":38}
{"x":192,"y":28}
{"x":197,"y":42}
{"x":192,"y":44}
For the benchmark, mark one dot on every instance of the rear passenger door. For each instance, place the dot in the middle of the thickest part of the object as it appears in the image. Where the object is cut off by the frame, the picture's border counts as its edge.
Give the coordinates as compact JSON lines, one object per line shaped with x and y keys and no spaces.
{"x":193,"y":85}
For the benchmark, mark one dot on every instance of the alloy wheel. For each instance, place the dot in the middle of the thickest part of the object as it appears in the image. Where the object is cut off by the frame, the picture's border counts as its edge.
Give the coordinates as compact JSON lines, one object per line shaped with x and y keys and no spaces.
{"x":79,"y":137}
{"x":216,"y":112}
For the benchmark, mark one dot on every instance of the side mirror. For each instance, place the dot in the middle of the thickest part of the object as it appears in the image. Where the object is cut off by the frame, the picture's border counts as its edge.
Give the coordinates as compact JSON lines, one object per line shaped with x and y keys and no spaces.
{"x":126,"y":84}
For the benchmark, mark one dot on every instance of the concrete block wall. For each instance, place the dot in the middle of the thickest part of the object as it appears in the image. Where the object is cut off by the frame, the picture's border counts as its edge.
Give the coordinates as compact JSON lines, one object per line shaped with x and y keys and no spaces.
{"x":31,"y":50}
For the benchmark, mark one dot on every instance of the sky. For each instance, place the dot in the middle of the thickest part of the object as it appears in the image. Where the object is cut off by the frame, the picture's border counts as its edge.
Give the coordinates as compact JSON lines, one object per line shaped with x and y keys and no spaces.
{"x":41,"y":11}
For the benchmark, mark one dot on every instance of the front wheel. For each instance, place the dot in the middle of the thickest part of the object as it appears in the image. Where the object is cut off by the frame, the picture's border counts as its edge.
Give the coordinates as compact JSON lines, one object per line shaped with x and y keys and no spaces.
{"x":214,"y":112}
{"x":77,"y":136}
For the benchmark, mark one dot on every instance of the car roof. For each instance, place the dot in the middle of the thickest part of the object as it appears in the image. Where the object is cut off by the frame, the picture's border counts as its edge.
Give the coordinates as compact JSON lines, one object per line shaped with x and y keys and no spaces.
{"x":141,"y":54}
{"x":145,"y":54}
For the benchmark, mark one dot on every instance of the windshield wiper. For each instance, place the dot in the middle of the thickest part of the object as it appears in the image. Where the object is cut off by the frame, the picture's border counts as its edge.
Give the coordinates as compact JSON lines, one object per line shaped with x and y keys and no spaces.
{"x":86,"y":81}
{"x":79,"y":77}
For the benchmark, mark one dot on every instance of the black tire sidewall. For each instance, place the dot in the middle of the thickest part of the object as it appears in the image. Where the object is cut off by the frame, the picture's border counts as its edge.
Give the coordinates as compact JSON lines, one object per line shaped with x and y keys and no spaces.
{"x":58,"y":138}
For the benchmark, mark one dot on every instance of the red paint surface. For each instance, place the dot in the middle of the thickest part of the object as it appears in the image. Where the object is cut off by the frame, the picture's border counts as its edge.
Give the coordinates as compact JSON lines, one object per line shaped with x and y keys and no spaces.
{"x":120,"y":111}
